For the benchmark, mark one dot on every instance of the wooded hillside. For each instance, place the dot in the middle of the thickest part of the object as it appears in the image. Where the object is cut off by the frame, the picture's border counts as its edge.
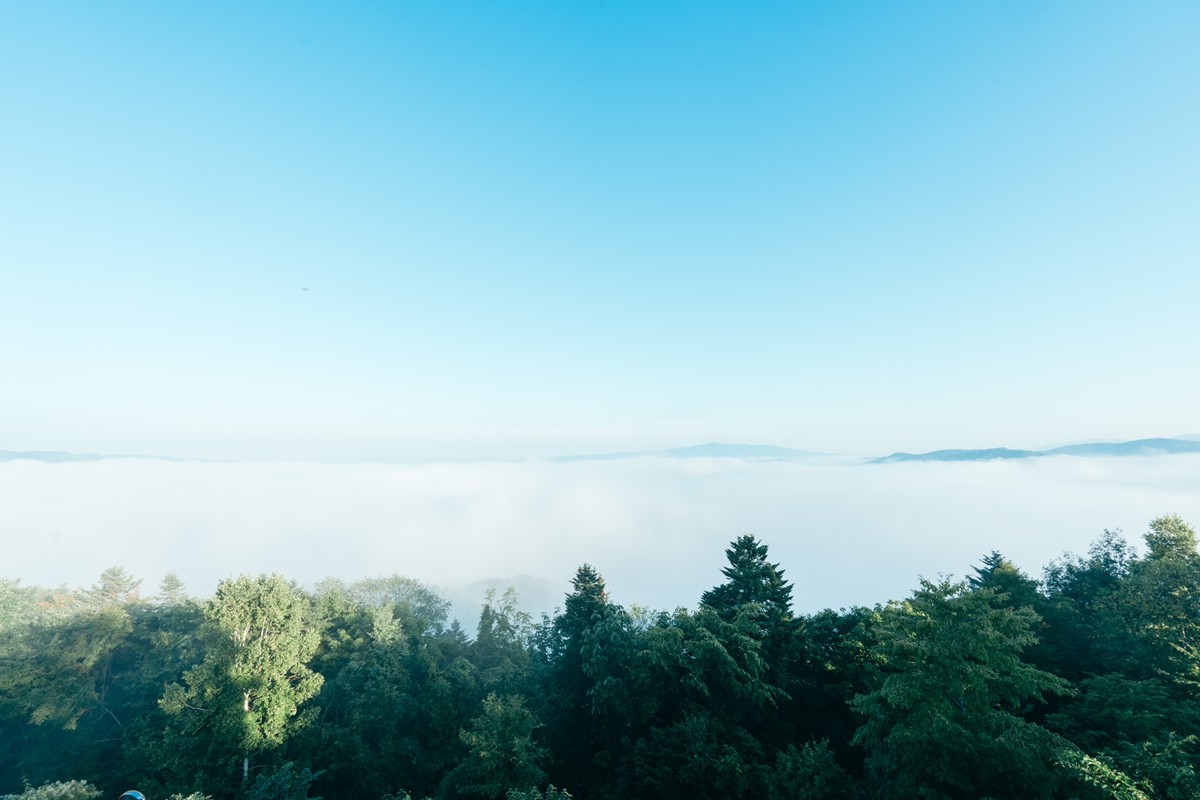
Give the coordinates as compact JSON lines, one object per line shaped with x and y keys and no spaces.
{"x":1083,"y":684}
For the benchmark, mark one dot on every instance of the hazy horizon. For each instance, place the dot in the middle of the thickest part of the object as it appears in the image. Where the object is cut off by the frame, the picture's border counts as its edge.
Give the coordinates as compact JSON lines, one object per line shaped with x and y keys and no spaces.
{"x":655,"y":528}
{"x":551,"y":452}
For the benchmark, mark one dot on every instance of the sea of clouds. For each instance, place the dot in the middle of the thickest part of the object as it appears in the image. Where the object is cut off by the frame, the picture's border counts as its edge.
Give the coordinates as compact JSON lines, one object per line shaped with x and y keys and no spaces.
{"x":656,"y":528}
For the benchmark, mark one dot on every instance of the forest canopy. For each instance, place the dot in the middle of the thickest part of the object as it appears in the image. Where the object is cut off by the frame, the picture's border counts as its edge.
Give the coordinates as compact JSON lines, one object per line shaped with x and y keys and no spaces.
{"x":1084,"y":683}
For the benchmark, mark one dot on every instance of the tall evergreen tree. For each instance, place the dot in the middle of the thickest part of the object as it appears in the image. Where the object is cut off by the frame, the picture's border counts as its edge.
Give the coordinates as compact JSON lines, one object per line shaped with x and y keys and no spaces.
{"x":750,"y":579}
{"x":756,"y":601}
{"x":171,"y":590}
{"x":116,"y":586}
{"x":568,"y":681}
{"x":1002,"y":576}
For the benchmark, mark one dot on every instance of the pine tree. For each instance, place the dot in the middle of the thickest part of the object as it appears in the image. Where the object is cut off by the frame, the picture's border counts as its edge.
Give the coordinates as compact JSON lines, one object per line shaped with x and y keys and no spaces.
{"x":171,"y":590}
{"x":751,"y":579}
{"x":116,"y":586}
{"x":1013,"y":587}
{"x":569,"y":682}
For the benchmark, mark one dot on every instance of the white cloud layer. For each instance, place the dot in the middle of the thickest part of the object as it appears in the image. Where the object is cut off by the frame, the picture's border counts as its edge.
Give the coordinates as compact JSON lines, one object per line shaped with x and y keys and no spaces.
{"x":655,"y":528}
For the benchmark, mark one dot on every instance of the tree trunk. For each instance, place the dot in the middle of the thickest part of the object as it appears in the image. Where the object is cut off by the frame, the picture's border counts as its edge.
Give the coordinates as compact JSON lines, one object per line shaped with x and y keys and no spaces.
{"x":246,"y":756}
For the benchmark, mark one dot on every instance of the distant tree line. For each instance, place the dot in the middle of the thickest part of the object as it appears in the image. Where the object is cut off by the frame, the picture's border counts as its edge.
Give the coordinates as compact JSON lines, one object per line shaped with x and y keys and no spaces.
{"x":1085,"y":684}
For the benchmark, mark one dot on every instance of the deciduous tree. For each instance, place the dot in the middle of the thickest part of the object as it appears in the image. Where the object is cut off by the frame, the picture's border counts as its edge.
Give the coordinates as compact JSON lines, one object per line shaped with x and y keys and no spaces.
{"x":247,"y":693}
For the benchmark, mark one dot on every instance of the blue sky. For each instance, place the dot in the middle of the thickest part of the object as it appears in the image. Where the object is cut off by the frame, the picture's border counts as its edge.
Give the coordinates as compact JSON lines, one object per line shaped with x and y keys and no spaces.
{"x":392,"y":230}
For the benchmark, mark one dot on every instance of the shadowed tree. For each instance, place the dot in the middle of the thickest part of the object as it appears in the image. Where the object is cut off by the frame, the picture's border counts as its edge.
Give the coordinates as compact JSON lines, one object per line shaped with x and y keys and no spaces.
{"x":1157,"y":606}
{"x":944,"y":722}
{"x":696,"y":695}
{"x":567,"y":683}
{"x":501,"y":648}
{"x":399,"y":687}
{"x":1080,"y":637}
{"x":501,"y":752}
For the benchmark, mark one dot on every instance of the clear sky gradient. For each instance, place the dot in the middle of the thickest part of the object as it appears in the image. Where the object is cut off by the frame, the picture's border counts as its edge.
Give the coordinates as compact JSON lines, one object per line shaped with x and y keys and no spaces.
{"x":396,"y":230}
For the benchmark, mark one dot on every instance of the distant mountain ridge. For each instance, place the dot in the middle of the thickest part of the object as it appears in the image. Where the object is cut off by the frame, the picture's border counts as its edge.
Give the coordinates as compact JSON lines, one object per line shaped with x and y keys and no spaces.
{"x":751,"y":452}
{"x":52,"y":456}
{"x":757,"y":452}
{"x":1137,"y":447}
{"x":63,"y":457}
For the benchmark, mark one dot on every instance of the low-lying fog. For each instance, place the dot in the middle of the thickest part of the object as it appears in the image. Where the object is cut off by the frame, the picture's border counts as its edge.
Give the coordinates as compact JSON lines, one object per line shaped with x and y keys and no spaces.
{"x":656,"y":528}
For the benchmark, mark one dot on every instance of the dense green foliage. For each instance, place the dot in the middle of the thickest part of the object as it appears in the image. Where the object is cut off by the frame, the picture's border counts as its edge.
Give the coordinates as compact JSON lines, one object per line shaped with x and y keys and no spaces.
{"x":1085,"y":684}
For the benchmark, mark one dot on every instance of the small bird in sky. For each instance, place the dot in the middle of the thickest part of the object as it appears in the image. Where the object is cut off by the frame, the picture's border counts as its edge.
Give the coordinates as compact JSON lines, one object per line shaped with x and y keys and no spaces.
{"x":304,"y":288}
